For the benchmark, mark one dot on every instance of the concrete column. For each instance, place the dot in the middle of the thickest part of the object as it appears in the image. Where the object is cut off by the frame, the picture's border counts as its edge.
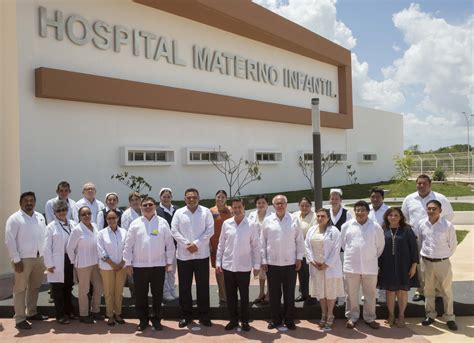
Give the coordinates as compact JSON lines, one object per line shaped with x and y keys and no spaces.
{"x":9,"y":124}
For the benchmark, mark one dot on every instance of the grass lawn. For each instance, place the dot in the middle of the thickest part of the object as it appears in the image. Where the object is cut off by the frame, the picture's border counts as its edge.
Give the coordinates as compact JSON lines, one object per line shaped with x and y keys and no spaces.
{"x":460,"y":234}
{"x":457,"y":206}
{"x":360,"y":191}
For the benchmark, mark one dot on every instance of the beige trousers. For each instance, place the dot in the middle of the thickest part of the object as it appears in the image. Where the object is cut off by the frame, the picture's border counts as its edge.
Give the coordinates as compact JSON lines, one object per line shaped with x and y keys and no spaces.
{"x":86,"y":276}
{"x":353,"y":283}
{"x":113,"y":290}
{"x":438,"y":277}
{"x":26,"y":288}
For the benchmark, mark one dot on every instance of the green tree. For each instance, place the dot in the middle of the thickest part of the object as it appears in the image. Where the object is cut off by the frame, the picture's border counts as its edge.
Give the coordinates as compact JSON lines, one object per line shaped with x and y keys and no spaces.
{"x":403,"y":166}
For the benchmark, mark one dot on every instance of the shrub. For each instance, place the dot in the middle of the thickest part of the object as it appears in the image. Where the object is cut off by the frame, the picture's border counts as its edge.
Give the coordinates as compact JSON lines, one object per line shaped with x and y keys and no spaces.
{"x":439,"y":175}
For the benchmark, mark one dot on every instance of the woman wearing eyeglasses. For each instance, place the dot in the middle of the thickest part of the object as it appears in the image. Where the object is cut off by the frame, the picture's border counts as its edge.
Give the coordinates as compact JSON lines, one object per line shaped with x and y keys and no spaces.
{"x":82,"y":251}
{"x":59,"y":266}
{"x":110,"y":245}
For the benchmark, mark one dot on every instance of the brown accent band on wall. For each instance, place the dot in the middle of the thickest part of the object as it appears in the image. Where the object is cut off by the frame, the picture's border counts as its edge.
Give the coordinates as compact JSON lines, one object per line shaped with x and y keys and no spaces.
{"x":73,"y":86}
{"x":246,"y":19}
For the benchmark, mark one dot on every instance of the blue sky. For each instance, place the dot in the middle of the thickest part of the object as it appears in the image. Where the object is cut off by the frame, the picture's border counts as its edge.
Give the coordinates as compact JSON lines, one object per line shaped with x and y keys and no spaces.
{"x":411,"y":57}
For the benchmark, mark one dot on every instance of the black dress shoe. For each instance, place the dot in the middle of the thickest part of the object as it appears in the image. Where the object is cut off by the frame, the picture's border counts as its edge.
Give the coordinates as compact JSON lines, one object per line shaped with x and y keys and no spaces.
{"x":86,"y":319}
{"x":97,"y":316}
{"x":23,"y":325}
{"x":427,"y":321}
{"x":290,"y":325}
{"x":37,"y":316}
{"x":72,"y":316}
{"x":142,"y":326}
{"x":301,"y":298}
{"x":245,"y":326}
{"x":452,"y":325}
{"x":184,"y":322}
{"x":273,"y":325}
{"x":418,"y":297}
{"x":231,"y":325}
{"x":205,"y":322}
{"x":63,"y":320}
{"x":156,"y":324}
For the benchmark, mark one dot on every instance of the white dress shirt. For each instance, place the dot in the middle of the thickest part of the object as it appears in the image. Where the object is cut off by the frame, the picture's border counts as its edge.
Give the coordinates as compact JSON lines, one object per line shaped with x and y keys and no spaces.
{"x":305,"y":223}
{"x":197,"y":228}
{"x":438,"y":240}
{"x":25,"y":235}
{"x":96,"y":206}
{"x":414,"y":207}
{"x":49,"y":212}
{"x":110,"y":244}
{"x":362,"y":245}
{"x":239,"y":246}
{"x":57,"y":237}
{"x":335,"y":218}
{"x":282,"y":241}
{"x":253,"y":216}
{"x":149,"y":243}
{"x":377,"y":216}
{"x":332,"y":247}
{"x":82,"y":246}
{"x":128,"y":216}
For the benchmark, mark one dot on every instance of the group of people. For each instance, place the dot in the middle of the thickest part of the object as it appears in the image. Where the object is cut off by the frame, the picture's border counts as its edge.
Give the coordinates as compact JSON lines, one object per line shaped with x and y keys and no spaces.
{"x":101,"y":248}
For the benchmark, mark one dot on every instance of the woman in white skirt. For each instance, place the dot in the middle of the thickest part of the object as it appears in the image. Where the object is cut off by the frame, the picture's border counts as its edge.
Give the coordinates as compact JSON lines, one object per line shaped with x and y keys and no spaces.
{"x":322,"y":245}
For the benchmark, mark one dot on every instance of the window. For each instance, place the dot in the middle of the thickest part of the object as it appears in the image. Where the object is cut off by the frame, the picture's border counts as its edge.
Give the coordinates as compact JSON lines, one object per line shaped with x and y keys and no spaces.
{"x":365,"y":157}
{"x":266,"y":156}
{"x":308,"y":157}
{"x":203,"y":155}
{"x":339,"y":157}
{"x":146,"y":156}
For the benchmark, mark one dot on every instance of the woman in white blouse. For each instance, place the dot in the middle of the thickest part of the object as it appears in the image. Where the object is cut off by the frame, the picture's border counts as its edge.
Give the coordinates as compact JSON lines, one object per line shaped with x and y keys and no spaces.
{"x":305,"y":218}
{"x":60,"y":270}
{"x":110,"y":244}
{"x":257,"y":216}
{"x":322,"y":245}
{"x":82,"y":251}
{"x":133,"y":212}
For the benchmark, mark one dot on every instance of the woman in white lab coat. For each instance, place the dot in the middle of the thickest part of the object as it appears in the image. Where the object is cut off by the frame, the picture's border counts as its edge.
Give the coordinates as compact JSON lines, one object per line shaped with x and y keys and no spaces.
{"x":322,"y":245}
{"x":60,"y":269}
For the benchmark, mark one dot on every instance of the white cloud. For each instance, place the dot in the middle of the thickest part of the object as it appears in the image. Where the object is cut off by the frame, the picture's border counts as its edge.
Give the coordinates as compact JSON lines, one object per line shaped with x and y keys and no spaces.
{"x":432,"y":82}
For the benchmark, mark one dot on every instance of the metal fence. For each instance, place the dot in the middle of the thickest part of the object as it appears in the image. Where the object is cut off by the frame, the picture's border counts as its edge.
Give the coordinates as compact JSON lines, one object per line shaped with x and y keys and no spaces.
{"x":457,"y":166}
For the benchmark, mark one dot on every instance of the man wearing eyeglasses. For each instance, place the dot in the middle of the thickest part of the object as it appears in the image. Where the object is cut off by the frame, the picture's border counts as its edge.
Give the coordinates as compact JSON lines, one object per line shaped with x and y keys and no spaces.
{"x":148,"y":254}
{"x":282,"y":251}
{"x":25,"y":237}
{"x":89,"y":192}
{"x":438,"y":243}
{"x":192,"y":228}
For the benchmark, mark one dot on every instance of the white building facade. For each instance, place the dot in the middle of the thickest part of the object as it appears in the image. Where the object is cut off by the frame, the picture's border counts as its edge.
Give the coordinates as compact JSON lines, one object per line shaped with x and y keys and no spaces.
{"x":87,"y":102}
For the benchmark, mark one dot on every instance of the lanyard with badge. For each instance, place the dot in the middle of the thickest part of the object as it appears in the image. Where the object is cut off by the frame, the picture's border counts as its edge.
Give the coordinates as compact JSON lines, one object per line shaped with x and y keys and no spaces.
{"x":65,"y":230}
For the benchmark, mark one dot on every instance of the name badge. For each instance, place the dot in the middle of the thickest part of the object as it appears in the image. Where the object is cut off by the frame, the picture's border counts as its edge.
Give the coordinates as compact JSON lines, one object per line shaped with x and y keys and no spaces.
{"x":155,"y":232}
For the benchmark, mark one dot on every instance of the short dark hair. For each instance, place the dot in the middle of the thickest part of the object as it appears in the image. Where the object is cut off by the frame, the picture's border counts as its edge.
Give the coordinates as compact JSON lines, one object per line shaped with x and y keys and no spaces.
{"x":221,"y":191}
{"x":260,"y":196}
{"x":191,"y":190}
{"x":114,"y":211}
{"x":362,"y":203}
{"x":238,"y":200}
{"x":434,"y":201}
{"x":63,"y":184}
{"x":305,"y":199}
{"x":79,"y":211}
{"x":423,"y":176}
{"x":377,"y":190}
{"x":27,"y":194}
{"x":148,"y":198}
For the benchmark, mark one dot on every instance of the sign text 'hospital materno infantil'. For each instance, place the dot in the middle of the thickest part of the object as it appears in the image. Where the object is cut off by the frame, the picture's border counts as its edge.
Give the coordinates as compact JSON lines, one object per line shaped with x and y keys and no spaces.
{"x":118,"y":38}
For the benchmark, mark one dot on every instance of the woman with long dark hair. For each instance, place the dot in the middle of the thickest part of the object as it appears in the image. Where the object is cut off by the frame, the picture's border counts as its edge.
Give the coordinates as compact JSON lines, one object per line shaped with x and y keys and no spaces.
{"x":397,"y":264}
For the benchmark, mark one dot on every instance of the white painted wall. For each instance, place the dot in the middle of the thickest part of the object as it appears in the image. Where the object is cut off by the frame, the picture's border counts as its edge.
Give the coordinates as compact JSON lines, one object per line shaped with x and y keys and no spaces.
{"x":80,"y":142}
